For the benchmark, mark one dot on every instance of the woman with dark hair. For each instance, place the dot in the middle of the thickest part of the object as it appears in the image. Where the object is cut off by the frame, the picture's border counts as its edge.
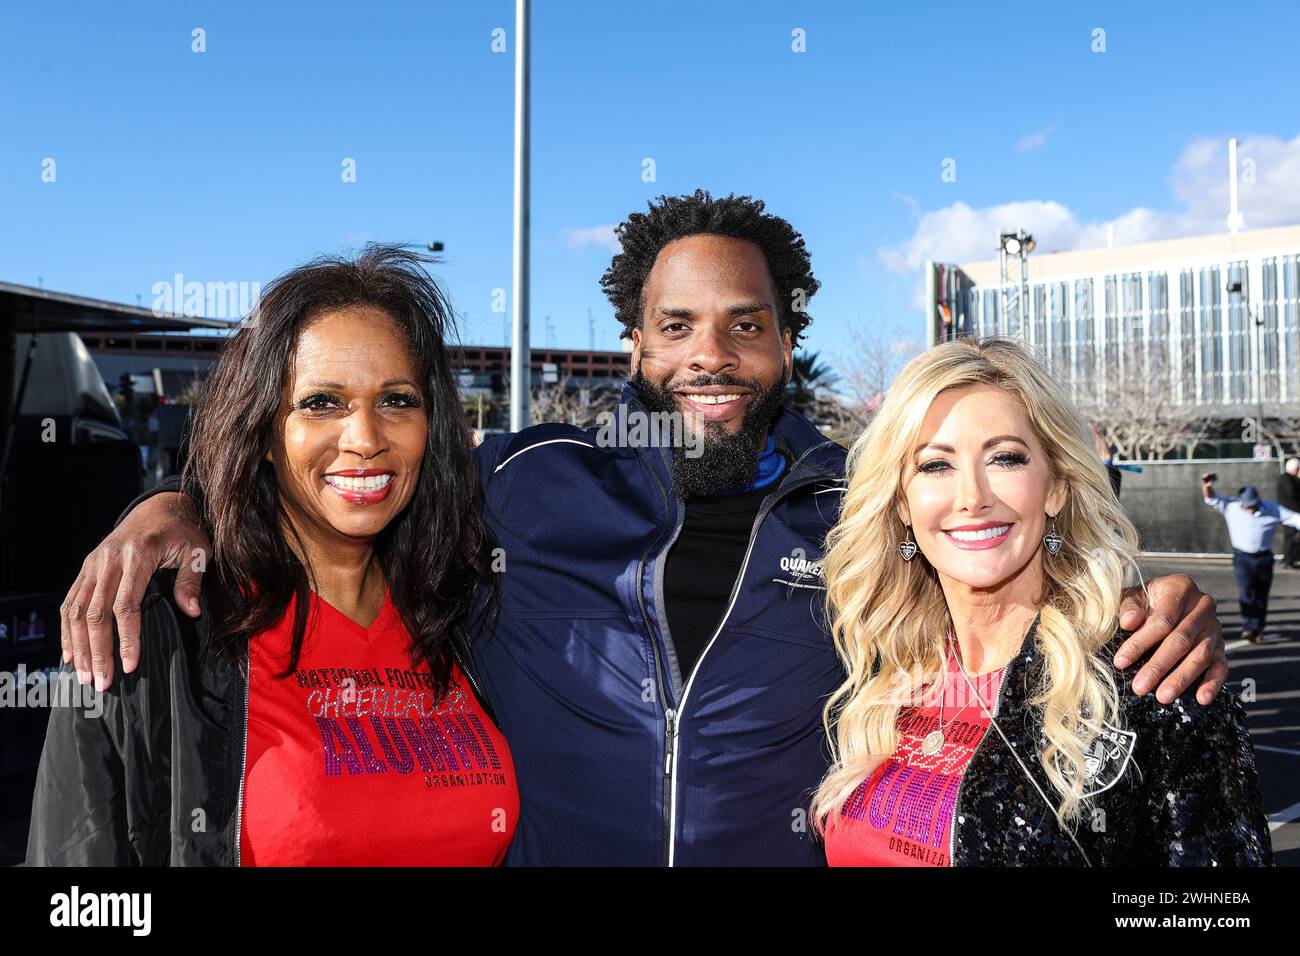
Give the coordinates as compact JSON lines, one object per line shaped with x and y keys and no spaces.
{"x":322,"y":710}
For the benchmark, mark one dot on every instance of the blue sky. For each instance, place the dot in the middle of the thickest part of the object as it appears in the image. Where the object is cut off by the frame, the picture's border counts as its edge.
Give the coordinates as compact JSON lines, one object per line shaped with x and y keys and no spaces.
{"x":225,"y":165}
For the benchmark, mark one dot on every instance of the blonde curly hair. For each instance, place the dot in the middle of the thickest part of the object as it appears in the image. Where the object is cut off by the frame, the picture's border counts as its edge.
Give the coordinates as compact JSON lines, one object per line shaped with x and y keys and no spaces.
{"x":889,"y":618}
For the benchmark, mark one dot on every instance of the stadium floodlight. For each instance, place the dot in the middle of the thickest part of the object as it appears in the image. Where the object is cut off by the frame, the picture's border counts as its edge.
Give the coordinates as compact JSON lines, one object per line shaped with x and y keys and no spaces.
{"x":1012,"y":242}
{"x":1014,"y":246}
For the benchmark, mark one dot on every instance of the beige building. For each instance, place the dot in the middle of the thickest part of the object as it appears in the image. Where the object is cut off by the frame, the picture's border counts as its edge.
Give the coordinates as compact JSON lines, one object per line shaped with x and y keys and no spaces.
{"x":1219,"y":314}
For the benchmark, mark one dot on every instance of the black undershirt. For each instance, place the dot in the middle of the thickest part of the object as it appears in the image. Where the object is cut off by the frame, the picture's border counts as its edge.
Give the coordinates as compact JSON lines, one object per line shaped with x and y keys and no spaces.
{"x":703,"y":564}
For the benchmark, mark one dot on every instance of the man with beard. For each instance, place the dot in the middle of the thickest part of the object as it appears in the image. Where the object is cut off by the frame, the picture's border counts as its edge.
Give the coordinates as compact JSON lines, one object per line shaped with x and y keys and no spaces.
{"x":658,"y":655}
{"x":723,"y":487}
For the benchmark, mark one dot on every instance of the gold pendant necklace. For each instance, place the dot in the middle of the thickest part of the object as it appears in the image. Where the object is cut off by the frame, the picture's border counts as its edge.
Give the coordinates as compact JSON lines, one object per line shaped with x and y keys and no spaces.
{"x":933,"y":742}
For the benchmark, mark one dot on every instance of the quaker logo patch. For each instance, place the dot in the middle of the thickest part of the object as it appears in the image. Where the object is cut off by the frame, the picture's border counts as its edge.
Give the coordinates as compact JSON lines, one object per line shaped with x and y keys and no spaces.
{"x":797,"y":570}
{"x":1105,"y":760}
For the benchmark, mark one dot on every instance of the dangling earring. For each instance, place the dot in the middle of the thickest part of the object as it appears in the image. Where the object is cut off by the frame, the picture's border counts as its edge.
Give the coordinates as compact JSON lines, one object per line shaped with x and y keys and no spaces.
{"x":1052,"y":541}
{"x":907,"y":548}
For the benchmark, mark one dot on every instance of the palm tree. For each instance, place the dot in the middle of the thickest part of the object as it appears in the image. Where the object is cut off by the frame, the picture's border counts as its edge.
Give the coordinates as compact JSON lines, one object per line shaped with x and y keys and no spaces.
{"x":807,"y":375}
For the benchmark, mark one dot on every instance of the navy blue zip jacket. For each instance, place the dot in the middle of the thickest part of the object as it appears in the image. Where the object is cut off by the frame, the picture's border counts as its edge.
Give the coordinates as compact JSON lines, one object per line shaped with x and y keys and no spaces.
{"x":623,"y":759}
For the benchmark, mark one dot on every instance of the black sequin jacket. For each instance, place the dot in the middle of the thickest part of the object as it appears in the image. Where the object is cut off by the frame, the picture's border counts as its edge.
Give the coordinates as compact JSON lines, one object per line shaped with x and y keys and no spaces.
{"x":1176,"y":785}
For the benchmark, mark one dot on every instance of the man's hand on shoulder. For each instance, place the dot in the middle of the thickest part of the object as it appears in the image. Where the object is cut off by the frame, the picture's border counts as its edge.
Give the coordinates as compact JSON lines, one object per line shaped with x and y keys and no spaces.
{"x":161,"y":532}
{"x":1181,"y":623}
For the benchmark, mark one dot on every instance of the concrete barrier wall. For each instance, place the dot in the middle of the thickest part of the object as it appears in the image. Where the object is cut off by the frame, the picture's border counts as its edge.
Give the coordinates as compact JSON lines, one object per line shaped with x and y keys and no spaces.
{"x":1165,"y":504}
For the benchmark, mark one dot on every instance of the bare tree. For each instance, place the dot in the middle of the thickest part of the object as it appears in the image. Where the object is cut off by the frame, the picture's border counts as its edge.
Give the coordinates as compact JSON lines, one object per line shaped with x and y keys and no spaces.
{"x":572,"y":404}
{"x":1132,"y":400}
{"x":480,"y":406}
{"x":875,"y":357}
{"x":1281,"y":430}
{"x":835,"y":419}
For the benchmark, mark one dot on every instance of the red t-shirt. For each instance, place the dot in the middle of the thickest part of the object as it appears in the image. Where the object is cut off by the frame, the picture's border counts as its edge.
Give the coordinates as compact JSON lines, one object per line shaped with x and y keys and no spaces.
{"x":901,"y":814}
{"x":352,"y":760}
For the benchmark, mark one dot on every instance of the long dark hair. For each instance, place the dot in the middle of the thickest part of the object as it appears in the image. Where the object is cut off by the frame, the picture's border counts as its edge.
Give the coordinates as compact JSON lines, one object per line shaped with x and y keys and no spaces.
{"x":437,"y":547}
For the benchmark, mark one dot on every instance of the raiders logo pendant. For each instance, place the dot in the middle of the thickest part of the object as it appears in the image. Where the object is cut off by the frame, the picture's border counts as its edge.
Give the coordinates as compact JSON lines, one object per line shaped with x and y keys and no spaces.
{"x":908,"y":550}
{"x":932,"y":743}
{"x":1052,"y":541}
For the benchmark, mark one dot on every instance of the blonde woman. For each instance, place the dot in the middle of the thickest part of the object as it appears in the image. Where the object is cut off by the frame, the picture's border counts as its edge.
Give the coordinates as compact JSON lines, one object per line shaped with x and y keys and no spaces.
{"x":974,"y":583}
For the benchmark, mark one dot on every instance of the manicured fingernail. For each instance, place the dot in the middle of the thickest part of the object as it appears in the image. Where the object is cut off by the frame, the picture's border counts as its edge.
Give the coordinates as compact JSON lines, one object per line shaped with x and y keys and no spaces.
{"x":194,"y":605}
{"x":1121,"y":661}
{"x":67,"y":657}
{"x":1142,"y":686}
{"x":83,"y":677}
{"x":99,"y":681}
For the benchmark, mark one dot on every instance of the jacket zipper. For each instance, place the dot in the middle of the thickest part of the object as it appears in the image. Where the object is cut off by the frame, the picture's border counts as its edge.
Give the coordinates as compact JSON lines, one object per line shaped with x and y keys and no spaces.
{"x":669,"y":713}
{"x":473,"y":683}
{"x":243,"y":768}
{"x":676,"y":725}
{"x":956,"y":803}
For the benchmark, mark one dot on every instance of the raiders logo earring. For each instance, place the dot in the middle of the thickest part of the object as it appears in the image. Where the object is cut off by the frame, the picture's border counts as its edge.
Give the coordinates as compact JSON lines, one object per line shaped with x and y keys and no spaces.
{"x":1052,"y":541}
{"x":907,"y":548}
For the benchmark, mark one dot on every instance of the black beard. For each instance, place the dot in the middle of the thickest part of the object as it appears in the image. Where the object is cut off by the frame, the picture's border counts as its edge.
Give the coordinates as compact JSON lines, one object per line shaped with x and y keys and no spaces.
{"x":727,"y":460}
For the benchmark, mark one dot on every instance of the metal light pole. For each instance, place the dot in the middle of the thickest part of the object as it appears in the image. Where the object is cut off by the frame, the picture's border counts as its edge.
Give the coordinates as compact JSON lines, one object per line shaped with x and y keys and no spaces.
{"x":1258,"y":329}
{"x":1259,"y":366}
{"x":1018,"y":244}
{"x":519,"y":353}
{"x":1236,"y":289}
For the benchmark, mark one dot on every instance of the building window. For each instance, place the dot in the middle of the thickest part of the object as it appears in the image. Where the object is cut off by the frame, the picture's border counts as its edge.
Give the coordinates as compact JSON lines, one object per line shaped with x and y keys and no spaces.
{"x":1269,"y":345}
{"x":1132,"y":333}
{"x":1111,"y":332}
{"x":1291,"y":323}
{"x":1189,"y":379}
{"x":1211,"y":337}
{"x":989,"y":313}
{"x":1159,"y":343}
{"x":1240,"y":344}
{"x":968,"y":303}
{"x":1085,"y":332}
{"x":1038,"y":306}
{"x":1058,"y":357}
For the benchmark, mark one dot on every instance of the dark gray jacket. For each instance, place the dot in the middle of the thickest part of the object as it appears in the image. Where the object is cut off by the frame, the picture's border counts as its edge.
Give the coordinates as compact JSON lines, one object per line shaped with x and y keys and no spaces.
{"x":155,"y":780}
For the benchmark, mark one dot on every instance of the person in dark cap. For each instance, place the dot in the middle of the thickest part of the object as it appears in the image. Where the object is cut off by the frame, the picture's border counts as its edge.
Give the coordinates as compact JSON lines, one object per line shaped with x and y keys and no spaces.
{"x":1251,"y":522}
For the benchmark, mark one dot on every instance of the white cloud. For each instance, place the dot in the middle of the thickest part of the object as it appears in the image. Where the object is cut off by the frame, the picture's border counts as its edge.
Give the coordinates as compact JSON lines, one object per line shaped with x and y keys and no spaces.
{"x":1036,"y":140}
{"x":911,"y":202}
{"x":601,"y":236}
{"x":960,"y":233}
{"x":1200,"y":181}
{"x":1269,"y":195}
